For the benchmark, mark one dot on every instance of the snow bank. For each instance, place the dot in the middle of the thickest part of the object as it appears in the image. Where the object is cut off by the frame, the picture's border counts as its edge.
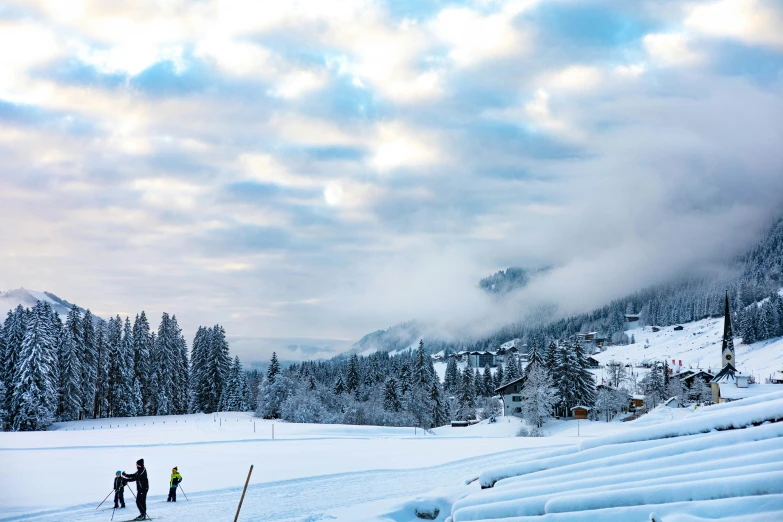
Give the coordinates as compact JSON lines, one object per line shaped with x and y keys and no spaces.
{"x":740,"y":417}
{"x":695,"y":467}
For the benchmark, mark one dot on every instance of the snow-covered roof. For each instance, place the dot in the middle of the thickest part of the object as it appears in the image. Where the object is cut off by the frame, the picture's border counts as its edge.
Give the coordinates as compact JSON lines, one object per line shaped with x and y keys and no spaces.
{"x":726,"y":375}
{"x":583,"y":407}
{"x":637,"y":397}
{"x":732,"y":392}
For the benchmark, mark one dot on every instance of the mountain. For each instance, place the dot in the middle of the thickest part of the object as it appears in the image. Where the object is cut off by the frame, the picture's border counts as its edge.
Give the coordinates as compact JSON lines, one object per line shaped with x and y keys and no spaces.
{"x":28,"y":298}
{"x":509,"y":279}
{"x":753,"y":277}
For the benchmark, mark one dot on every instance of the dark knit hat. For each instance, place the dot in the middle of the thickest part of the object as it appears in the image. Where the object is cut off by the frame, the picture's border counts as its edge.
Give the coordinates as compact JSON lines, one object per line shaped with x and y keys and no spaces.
{"x":140,"y":462}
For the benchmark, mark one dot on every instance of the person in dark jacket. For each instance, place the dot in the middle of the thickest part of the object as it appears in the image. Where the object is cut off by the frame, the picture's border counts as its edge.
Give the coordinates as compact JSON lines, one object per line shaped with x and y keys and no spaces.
{"x":119,"y":488}
{"x":142,"y":486}
{"x":176,"y":478}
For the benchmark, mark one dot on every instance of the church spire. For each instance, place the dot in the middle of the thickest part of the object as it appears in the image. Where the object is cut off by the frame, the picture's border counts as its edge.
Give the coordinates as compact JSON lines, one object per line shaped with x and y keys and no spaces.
{"x":727,"y":348}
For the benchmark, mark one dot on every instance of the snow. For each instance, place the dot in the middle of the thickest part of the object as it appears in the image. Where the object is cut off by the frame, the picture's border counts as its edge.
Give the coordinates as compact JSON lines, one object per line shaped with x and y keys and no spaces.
{"x":697,"y":346}
{"x":732,"y":391}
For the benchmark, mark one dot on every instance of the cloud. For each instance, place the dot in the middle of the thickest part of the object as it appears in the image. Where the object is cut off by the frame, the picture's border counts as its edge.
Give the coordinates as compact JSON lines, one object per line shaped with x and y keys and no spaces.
{"x":755,"y":22}
{"x":318,"y":169}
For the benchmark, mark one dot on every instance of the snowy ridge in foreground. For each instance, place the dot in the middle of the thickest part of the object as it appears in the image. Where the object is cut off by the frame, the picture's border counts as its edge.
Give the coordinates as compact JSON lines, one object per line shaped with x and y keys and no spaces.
{"x":726,"y":462}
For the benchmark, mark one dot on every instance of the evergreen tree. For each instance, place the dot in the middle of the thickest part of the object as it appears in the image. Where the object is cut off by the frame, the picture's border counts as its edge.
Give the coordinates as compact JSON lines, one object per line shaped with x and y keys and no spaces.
{"x":550,"y":360}
{"x":71,"y":366}
{"x":101,"y":403}
{"x":339,"y":386}
{"x":198,"y":370}
{"x":13,"y":333}
{"x":405,"y":379}
{"x":352,"y":379}
{"x":534,"y":355}
{"x":217,"y":367}
{"x":478,"y":384}
{"x":391,"y":400}
{"x":451,"y":378}
{"x":489,"y":386}
{"x":89,"y":355}
{"x":233,"y":398}
{"x":181,"y":369}
{"x":499,"y":377}
{"x":142,"y":358}
{"x":438,"y":412}
{"x":421,"y":370}
{"x":584,"y":382}
{"x":467,"y":397}
{"x":34,"y":399}
{"x":274,"y":368}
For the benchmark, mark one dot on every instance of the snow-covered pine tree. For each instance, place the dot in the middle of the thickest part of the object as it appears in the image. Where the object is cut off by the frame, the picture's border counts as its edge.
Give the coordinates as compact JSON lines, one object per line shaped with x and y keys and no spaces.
{"x":14,"y":332}
{"x":405,"y":380}
{"x":467,"y":396}
{"x":352,"y":378}
{"x":451,"y":378}
{"x":34,"y":400}
{"x":499,"y":377}
{"x":438,"y":407}
{"x":512,"y":369}
{"x":71,"y":366}
{"x":488,"y":382}
{"x":198,"y":366}
{"x":116,"y":366}
{"x":701,"y":391}
{"x":273,"y":369}
{"x":166,"y":364}
{"x":89,"y":374}
{"x":563,"y":378}
{"x":142,"y":358}
{"x":391,"y":399}
{"x":421,"y":368}
{"x":539,"y":397}
{"x":233,"y":393}
{"x":4,"y":418}
{"x":339,"y":385}
{"x":478,"y":383}
{"x":181,"y":369}
{"x":101,"y":403}
{"x":550,"y":358}
{"x":534,"y":355}
{"x":584,"y":382}
{"x":129,"y":399}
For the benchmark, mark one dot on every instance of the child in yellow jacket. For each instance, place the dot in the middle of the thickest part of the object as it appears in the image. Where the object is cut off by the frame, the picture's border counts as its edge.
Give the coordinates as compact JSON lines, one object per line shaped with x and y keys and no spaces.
{"x":176,"y":478}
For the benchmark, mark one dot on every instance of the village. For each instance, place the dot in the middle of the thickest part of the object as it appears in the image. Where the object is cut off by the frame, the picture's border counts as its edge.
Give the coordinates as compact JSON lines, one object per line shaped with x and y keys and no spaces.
{"x":699,"y":384}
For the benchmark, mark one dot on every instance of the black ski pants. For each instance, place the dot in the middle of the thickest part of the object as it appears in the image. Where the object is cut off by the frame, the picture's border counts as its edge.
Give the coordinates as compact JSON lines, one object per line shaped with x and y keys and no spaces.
{"x":141,"y":501}
{"x":119,"y":498}
{"x":173,"y":493}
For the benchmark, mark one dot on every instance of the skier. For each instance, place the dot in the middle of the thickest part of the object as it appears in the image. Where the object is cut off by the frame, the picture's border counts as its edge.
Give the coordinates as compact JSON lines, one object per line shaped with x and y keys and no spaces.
{"x":142,"y":486}
{"x":119,"y":488}
{"x":176,"y":478}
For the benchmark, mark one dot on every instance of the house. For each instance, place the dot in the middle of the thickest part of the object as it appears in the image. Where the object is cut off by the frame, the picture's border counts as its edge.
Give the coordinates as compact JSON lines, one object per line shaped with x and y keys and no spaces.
{"x":673,"y":402}
{"x":481,"y":359}
{"x":587,"y":336}
{"x":688,"y":377}
{"x":580,"y":412}
{"x":777,"y":377}
{"x":511,"y":393}
{"x":631,"y":318}
{"x":593,"y":363}
{"x":637,"y":402}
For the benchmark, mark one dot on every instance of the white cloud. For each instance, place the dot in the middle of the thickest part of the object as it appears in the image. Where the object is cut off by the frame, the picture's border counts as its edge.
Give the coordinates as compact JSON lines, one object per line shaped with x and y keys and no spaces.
{"x":573,"y":78}
{"x":399,"y":146}
{"x":474,"y":36}
{"x":750,"y":21}
{"x":671,"y":49}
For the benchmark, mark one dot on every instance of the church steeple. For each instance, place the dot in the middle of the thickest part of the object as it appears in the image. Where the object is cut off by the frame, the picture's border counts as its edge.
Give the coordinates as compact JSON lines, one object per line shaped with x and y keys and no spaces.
{"x":727,"y":349}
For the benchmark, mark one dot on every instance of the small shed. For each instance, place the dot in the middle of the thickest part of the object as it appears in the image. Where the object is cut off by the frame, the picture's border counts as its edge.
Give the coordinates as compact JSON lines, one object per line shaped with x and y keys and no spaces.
{"x":637,"y":401}
{"x":580,"y":412}
{"x":673,"y":402}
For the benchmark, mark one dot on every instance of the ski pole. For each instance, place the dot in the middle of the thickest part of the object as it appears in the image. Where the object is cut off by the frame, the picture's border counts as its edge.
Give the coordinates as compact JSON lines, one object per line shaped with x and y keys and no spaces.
{"x":104,"y":500}
{"x":183,"y":492}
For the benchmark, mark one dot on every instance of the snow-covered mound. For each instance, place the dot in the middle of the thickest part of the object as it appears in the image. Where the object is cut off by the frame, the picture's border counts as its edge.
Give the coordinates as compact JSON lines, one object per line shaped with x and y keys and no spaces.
{"x":721,"y":462}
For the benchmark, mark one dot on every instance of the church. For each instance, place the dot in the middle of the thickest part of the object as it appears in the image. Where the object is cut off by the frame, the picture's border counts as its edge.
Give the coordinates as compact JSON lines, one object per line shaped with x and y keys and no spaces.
{"x":729,"y":384}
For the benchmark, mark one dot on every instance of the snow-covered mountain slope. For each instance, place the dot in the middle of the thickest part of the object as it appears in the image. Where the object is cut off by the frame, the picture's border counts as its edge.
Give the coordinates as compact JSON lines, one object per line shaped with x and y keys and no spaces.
{"x":697,"y":345}
{"x":28,"y":298}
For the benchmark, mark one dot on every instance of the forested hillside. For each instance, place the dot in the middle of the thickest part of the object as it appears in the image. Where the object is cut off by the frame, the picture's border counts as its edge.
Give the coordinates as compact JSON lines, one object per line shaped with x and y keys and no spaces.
{"x":754,"y":277}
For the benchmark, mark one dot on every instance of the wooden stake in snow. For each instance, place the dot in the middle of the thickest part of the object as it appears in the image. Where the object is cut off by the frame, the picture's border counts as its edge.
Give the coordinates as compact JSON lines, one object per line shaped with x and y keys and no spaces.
{"x":243,"y":493}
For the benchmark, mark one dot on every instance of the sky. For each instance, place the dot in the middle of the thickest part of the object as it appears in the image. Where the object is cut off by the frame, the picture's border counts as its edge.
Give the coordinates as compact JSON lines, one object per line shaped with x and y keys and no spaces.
{"x":322,"y":169}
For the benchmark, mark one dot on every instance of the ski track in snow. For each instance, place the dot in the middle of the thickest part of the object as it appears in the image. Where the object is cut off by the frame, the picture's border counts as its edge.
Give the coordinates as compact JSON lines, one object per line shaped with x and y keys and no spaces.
{"x":293,"y":500}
